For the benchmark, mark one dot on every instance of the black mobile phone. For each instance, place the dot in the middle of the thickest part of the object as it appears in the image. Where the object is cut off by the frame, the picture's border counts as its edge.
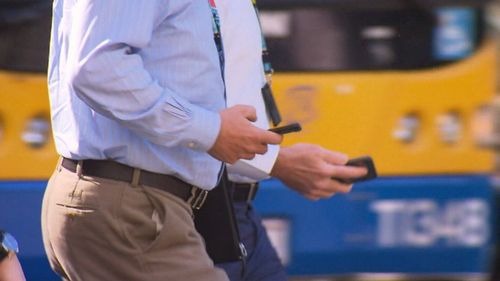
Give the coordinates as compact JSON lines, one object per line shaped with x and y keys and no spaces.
{"x":363,"y":161}
{"x":293,"y":127}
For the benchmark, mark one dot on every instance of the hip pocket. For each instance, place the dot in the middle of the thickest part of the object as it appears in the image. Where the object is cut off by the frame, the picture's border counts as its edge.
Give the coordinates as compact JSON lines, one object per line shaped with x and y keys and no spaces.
{"x":140,"y":221}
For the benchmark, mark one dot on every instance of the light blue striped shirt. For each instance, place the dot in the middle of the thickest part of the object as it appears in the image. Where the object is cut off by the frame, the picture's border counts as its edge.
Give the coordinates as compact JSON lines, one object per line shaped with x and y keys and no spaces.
{"x":139,"y":82}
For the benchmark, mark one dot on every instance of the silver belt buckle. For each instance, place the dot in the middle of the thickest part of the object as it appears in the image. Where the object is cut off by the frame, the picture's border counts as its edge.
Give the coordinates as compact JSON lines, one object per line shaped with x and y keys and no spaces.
{"x":197,"y":198}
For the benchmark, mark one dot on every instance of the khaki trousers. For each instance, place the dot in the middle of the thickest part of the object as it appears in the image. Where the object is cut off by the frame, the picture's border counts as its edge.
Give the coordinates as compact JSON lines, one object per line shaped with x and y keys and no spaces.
{"x":101,"y":229}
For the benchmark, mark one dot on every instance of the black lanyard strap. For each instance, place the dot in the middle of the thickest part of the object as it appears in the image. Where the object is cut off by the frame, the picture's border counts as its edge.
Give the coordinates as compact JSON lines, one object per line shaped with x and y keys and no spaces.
{"x":267,"y":94}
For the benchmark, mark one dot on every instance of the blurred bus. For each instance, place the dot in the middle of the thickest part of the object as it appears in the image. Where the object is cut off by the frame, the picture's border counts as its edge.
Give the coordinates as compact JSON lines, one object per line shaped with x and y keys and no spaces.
{"x":404,"y":82}
{"x":400,"y":80}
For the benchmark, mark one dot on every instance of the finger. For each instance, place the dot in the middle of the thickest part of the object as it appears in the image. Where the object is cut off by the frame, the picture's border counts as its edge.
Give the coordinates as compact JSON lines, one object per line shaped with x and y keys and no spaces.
{"x":334,"y":157}
{"x":326,"y":170}
{"x":323,"y":194}
{"x":343,"y":187}
{"x":349,"y":172}
{"x":334,"y":186}
{"x":248,"y":112}
{"x":230,"y":160}
{"x":268,"y":137}
{"x":248,"y":156}
{"x":311,"y":197}
{"x":261,"y":149}
{"x":331,"y":195}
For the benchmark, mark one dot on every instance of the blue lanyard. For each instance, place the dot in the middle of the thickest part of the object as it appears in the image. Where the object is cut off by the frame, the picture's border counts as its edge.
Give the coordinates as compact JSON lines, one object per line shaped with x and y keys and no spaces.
{"x":268,"y":69}
{"x":217,"y":34}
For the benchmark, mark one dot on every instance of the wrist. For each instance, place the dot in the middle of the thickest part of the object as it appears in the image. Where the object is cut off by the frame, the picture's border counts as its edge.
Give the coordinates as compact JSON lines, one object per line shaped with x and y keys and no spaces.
{"x":279,"y":163}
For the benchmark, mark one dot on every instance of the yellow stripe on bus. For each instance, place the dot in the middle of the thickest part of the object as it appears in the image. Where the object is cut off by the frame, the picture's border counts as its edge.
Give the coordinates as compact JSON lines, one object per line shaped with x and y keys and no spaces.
{"x":23,"y":96}
{"x":358,"y":112}
{"x":353,"y":112}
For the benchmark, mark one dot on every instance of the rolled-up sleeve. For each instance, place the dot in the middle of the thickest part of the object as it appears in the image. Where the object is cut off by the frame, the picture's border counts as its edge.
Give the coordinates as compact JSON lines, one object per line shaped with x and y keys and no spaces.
{"x":108,"y":74}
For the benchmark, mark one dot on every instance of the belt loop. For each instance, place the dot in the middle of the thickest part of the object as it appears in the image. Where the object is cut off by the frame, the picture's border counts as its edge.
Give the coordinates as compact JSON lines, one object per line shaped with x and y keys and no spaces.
{"x":59,"y":164}
{"x":136,"y":175}
{"x":251,"y":192}
{"x":79,"y":168}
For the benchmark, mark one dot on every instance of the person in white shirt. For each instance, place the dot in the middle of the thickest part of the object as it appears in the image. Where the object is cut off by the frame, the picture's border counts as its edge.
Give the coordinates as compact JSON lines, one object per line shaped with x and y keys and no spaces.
{"x":305,"y":168}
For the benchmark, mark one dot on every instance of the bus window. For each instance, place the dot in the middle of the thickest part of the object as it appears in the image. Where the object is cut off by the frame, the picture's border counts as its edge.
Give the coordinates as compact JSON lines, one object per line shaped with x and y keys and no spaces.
{"x":337,"y":38}
{"x":24,"y":34}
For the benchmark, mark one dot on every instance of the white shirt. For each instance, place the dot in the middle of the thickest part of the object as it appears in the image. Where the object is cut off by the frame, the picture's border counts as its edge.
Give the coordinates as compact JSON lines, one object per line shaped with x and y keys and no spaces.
{"x":244,"y":78}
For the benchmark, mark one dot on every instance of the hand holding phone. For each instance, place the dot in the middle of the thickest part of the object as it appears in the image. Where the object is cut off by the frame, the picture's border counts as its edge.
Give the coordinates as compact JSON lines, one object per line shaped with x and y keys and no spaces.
{"x":293,"y":127}
{"x":363,"y":161}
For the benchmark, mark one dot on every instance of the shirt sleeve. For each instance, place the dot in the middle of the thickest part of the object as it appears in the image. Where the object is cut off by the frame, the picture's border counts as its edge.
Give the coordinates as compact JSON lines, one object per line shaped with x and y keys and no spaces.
{"x":108,"y":74}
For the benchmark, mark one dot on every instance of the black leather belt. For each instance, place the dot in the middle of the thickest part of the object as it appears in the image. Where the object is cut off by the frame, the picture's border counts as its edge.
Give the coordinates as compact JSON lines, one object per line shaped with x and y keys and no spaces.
{"x":244,"y":192}
{"x":116,"y":171}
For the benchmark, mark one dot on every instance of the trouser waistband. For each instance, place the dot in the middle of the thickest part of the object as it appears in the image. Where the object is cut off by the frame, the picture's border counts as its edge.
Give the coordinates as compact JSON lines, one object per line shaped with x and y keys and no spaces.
{"x":244,"y":192}
{"x":109,"y":169}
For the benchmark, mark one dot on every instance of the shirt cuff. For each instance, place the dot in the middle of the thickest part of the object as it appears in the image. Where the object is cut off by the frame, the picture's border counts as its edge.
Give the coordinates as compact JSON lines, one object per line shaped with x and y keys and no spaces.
{"x":203,"y":130}
{"x":259,"y":168}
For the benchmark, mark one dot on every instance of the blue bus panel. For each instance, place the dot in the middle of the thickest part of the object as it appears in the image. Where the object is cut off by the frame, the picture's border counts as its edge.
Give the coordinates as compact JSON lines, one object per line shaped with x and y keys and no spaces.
{"x":413,"y":225}
{"x":436,"y":225}
{"x":20,"y":206}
